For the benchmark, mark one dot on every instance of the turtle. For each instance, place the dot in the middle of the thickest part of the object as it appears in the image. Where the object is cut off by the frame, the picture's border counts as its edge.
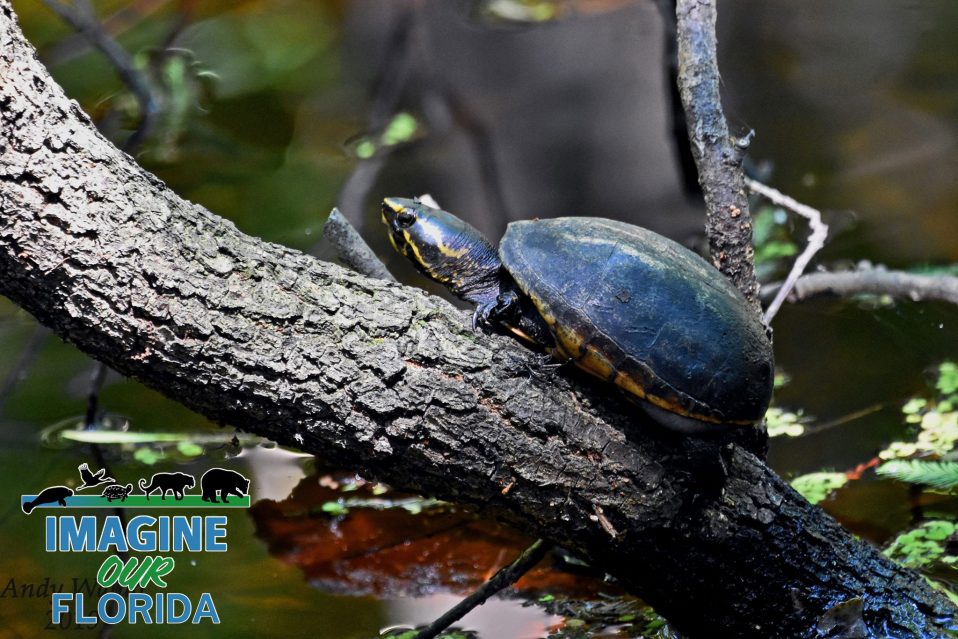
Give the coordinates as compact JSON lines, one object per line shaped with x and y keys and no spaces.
{"x":117,"y":492}
{"x":619,"y":301}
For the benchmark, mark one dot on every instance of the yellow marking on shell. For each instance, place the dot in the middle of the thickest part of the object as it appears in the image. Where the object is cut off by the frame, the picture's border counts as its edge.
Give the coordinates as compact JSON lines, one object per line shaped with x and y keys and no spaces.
{"x":594,"y":362}
{"x":629,"y":385}
{"x":569,"y":346}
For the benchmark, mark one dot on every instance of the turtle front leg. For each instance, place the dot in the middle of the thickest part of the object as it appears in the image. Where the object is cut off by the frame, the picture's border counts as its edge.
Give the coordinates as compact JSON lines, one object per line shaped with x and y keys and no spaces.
{"x":500,"y":309}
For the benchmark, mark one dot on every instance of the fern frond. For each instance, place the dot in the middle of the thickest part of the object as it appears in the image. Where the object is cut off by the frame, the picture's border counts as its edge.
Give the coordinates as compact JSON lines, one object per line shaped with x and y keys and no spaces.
{"x":938,"y":474}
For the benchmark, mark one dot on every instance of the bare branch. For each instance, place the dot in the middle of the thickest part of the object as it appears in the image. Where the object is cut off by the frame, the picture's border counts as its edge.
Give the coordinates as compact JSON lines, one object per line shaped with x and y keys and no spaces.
{"x":717,"y":156}
{"x":82,"y":17}
{"x":504,"y":578}
{"x":873,"y":281}
{"x":352,"y":248}
{"x":816,"y":241}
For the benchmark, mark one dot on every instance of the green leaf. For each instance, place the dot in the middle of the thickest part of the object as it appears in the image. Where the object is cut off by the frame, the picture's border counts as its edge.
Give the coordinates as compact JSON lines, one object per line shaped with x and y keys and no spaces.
{"x":365,"y":149}
{"x":334,"y":508}
{"x":189,"y":449}
{"x":939,"y":474}
{"x":400,"y":129}
{"x":147,"y":456}
{"x":924,"y":545}
{"x":781,"y":422}
{"x":947,"y":378}
{"x":815,"y":487}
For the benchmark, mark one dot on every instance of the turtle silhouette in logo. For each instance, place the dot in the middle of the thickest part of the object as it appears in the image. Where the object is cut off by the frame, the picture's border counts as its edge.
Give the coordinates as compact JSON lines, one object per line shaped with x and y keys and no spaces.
{"x":51,"y":495}
{"x":117,"y":492}
{"x":223,"y":481}
{"x":175,"y":483}
{"x":91,"y":479}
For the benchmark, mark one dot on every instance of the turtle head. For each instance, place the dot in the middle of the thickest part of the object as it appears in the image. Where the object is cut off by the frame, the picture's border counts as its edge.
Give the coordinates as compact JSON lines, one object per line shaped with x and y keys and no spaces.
{"x":444,"y":248}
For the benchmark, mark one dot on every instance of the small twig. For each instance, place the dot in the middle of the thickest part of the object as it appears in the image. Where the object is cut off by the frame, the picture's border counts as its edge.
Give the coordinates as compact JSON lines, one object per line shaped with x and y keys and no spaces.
{"x":116,"y":24}
{"x":816,"y":241}
{"x":502,"y":579}
{"x":600,"y":517}
{"x":93,"y":398}
{"x":874,"y":281}
{"x":81,"y":16}
{"x":352,"y":248}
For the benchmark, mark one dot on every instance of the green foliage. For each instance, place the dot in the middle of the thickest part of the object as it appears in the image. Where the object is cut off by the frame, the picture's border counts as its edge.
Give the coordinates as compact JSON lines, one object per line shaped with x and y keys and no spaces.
{"x":947,"y":378}
{"x":519,"y":11}
{"x":770,"y":235}
{"x":781,"y":422}
{"x":604,"y":617}
{"x":937,"y":420}
{"x":815,"y":487}
{"x":928,"y":269}
{"x":938,"y":474}
{"x":412,"y":505}
{"x":925,"y":545}
{"x":403,"y":128}
{"x":147,"y":456}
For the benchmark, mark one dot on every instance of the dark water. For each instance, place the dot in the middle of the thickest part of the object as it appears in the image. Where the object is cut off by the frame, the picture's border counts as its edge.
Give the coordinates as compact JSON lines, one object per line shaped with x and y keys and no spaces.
{"x":856,"y":108}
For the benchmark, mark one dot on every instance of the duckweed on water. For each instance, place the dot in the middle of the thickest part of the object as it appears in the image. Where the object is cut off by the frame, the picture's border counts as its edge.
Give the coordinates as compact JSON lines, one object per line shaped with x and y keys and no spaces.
{"x":925,"y":545}
{"x":815,"y":487}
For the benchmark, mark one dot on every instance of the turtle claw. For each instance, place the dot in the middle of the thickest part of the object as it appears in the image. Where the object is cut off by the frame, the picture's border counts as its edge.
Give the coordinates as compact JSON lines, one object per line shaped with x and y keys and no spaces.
{"x":482,"y":315}
{"x":499,"y":309}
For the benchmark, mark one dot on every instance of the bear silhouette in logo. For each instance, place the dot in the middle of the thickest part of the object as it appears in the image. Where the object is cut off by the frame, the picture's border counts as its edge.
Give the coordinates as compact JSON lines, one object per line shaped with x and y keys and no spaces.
{"x":51,"y":495}
{"x":174,"y":483}
{"x":226,"y":482}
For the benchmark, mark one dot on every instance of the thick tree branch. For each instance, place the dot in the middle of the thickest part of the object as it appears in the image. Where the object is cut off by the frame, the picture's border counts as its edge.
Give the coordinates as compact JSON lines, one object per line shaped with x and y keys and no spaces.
{"x":718,"y":158}
{"x":392,"y":382}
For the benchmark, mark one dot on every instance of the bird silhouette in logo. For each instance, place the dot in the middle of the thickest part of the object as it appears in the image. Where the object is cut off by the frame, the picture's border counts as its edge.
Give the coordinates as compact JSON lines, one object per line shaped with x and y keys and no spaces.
{"x":93,"y":479}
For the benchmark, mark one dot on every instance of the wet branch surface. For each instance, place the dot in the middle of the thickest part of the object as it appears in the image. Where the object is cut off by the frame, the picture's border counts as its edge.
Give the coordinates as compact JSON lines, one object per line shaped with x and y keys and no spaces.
{"x":392,"y":382}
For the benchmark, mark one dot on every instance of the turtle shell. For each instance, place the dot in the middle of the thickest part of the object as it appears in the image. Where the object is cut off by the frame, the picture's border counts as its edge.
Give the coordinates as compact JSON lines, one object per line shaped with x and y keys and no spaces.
{"x":116,"y":491}
{"x":641,"y":311}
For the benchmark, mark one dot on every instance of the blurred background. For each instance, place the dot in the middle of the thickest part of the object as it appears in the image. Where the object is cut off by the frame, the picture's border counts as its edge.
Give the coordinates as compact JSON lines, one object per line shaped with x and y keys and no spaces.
{"x":270,"y":112}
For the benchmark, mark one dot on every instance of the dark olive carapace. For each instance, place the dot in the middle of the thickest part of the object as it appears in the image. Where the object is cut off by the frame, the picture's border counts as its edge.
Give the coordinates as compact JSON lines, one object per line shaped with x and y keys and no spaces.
{"x":623,"y":303}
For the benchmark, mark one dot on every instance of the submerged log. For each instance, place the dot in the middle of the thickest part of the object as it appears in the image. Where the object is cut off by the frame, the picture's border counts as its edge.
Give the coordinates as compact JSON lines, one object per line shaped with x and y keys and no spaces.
{"x":392,"y":382}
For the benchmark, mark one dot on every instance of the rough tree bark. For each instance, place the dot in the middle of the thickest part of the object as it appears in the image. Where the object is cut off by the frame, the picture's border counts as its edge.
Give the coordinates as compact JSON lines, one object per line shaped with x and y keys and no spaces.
{"x":717,"y":157}
{"x":392,"y":382}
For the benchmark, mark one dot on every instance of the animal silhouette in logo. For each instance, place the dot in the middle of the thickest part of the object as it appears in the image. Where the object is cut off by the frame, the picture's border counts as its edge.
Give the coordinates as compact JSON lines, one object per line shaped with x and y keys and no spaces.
{"x":91,"y":479}
{"x":51,"y":495}
{"x":223,"y":481}
{"x":117,"y":492}
{"x":175,"y":483}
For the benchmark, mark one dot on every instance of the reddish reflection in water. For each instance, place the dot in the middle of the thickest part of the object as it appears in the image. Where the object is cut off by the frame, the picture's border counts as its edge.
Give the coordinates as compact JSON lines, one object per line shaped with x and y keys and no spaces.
{"x":369,"y":541}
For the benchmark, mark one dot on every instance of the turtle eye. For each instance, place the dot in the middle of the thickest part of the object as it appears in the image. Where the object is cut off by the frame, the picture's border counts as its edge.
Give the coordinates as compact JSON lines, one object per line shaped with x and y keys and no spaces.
{"x":405,"y":219}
